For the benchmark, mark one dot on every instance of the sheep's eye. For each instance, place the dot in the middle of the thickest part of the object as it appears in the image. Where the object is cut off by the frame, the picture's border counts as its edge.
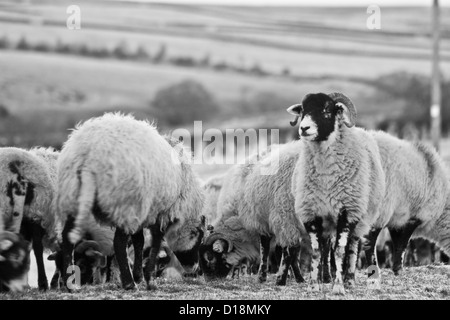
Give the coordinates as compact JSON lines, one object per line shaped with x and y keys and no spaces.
{"x":326,"y":113}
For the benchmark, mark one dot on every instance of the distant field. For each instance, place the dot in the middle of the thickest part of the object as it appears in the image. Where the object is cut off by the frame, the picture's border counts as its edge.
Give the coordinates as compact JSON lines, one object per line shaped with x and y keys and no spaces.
{"x":423,"y":283}
{"x":325,"y":47}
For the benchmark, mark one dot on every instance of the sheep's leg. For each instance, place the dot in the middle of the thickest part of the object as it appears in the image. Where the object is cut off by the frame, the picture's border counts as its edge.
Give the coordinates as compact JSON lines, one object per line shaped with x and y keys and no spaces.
{"x":157,"y":237}
{"x":286,"y":261}
{"x":38,"y":248}
{"x":138,"y":245}
{"x":400,"y":239}
{"x":109,"y":260}
{"x":295,"y":254}
{"x":325,"y":263}
{"x":264,"y":253}
{"x":369,"y":246}
{"x":120,"y":249}
{"x":351,"y":257}
{"x":340,"y":243}
{"x":66,"y":250}
{"x":305,"y":256}
{"x":314,"y":230}
{"x":54,"y":283}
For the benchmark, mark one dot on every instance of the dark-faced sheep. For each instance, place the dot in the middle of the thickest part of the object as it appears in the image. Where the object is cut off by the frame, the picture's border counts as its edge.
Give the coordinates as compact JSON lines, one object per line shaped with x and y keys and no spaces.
{"x":338,"y":182}
{"x":27,"y":197}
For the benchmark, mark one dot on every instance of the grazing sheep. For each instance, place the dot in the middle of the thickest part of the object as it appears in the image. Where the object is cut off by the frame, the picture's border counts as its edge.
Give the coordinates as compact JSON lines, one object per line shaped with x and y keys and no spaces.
{"x":94,"y":255}
{"x":417,"y":198}
{"x":27,"y":198}
{"x":256,"y":198}
{"x":338,"y":182}
{"x":14,"y":262}
{"x":127,"y":175}
{"x":228,"y":246}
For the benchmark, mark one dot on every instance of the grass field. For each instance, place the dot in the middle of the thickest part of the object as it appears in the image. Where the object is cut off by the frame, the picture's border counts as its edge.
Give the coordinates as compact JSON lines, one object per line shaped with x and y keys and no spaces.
{"x":428,"y":283}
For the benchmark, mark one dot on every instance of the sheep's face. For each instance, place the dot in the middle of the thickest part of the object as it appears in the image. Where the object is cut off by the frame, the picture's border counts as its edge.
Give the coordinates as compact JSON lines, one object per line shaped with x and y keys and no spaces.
{"x":321,"y":115}
{"x":213,"y":264}
{"x":14,"y":264}
{"x":186,"y":241}
{"x":318,"y":114}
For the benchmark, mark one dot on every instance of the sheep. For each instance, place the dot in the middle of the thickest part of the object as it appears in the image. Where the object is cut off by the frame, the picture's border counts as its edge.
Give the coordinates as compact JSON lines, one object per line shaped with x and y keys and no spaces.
{"x":256,"y":198}
{"x":122,"y":171}
{"x":27,"y":198}
{"x":338,"y":181}
{"x":94,"y":255}
{"x":228,"y":245}
{"x":14,"y":261}
{"x":417,"y":198}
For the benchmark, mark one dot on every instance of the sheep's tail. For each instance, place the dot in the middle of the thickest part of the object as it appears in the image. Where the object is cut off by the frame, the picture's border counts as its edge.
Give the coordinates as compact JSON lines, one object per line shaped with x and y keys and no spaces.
{"x":86,"y":201}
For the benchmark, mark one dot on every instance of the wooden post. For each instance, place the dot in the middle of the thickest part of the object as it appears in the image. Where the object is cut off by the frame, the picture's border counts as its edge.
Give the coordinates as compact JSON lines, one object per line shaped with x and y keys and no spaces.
{"x":435,"y":110}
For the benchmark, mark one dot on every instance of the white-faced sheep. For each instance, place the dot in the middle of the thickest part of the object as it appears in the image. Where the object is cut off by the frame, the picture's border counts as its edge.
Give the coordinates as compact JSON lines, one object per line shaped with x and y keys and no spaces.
{"x":338,"y":182}
{"x":127,"y":175}
{"x":27,"y":198}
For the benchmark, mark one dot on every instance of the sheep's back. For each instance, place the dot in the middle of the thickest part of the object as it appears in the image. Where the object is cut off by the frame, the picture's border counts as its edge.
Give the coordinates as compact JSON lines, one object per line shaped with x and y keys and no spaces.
{"x":137,"y":173}
{"x":416,"y":180}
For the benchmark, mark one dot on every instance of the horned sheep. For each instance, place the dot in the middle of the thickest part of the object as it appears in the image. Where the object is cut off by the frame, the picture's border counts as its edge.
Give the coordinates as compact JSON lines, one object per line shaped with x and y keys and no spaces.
{"x":338,"y":182}
{"x":122,"y":171}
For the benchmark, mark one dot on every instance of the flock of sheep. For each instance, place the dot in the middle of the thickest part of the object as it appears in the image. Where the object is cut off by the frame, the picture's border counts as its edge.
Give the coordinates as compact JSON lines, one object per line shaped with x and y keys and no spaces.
{"x":120,"y":200}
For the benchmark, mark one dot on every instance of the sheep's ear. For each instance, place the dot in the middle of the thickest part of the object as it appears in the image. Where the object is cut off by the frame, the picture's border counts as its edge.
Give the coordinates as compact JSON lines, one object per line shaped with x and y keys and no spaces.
{"x":52,"y":257}
{"x":295,"y":110}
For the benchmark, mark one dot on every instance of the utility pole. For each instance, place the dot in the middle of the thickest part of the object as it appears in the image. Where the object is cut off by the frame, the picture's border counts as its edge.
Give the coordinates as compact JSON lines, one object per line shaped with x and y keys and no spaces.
{"x":435,"y":110}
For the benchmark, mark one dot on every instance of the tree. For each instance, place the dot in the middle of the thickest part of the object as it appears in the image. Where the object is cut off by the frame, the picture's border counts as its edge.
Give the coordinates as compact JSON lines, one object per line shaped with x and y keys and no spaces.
{"x":184,"y":102}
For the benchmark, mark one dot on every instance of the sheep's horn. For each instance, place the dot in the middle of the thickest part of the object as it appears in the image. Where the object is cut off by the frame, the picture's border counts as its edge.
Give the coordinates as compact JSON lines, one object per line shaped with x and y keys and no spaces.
{"x":87,"y":244}
{"x":348,"y":106}
{"x":8,"y":235}
{"x":294,"y":123}
{"x":213,"y":237}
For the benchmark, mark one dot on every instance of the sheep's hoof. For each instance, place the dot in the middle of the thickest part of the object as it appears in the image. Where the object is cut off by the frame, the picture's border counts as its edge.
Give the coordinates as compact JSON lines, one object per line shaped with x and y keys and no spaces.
{"x":43,"y":286}
{"x":280,"y":281}
{"x":137,"y":277}
{"x":398,"y":272}
{"x":129,"y":286}
{"x":74,"y":236}
{"x":262,"y":278}
{"x":338,"y":288}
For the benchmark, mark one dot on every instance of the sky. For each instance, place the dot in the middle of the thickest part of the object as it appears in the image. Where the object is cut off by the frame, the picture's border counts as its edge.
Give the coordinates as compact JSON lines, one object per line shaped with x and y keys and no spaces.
{"x":334,"y":3}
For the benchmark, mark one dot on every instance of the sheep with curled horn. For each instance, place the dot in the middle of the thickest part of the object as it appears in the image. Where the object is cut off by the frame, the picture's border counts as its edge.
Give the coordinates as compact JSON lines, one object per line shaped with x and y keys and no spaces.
{"x":94,"y":255}
{"x":338,"y":183}
{"x":27,"y":199}
{"x":122,"y":171}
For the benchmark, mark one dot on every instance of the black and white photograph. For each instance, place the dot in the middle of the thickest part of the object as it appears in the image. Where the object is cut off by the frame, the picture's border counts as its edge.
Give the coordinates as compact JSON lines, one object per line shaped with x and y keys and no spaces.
{"x":235,"y":152}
